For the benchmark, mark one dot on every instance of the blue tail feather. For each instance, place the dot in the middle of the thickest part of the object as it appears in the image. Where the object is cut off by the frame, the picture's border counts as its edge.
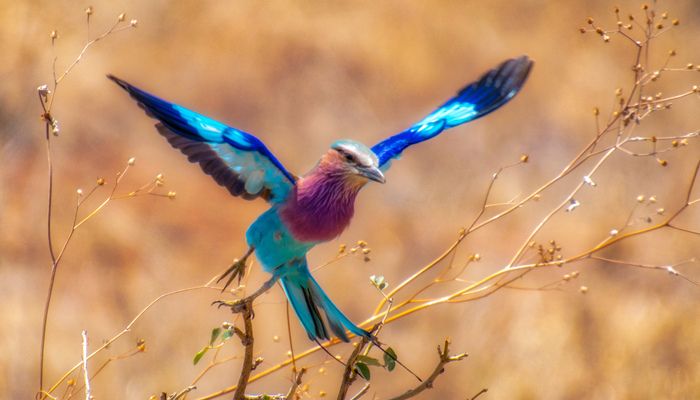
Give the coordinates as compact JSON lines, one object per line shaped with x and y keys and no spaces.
{"x":307,"y":299}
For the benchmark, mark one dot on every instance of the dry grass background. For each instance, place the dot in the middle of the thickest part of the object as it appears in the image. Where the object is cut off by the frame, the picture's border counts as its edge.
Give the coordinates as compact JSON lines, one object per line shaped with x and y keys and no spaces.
{"x":299,"y":75}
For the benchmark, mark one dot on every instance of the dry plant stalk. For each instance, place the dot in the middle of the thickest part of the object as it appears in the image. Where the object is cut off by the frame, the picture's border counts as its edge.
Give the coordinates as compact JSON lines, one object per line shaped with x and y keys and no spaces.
{"x":614,"y":136}
{"x":47,"y":97}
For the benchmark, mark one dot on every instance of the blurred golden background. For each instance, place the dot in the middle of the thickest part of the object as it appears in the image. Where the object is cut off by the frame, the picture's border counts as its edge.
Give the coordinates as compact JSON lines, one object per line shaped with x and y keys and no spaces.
{"x":300,"y":75}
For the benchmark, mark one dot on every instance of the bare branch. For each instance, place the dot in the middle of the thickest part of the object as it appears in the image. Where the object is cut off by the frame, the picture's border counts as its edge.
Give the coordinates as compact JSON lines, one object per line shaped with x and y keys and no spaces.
{"x":445,"y":358}
{"x":295,"y":384}
{"x":482,"y":391}
{"x":88,"y":389}
{"x":362,"y":392}
{"x":349,"y":374}
{"x":247,"y":340}
{"x":670,"y":268}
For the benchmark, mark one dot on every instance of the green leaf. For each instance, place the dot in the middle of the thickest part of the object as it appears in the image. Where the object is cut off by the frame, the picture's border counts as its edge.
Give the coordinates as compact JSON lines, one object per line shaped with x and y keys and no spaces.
{"x":390,"y":359}
{"x":228,"y":333}
{"x":200,"y":354}
{"x":368,"y":360}
{"x":214,"y":335}
{"x":363,"y":370}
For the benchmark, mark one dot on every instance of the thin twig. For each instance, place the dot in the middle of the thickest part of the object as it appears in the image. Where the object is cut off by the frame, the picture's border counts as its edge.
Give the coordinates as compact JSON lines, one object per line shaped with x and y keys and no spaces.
{"x":479,"y":286}
{"x":47,"y":105}
{"x":127,"y":329}
{"x":362,"y":392}
{"x":291,"y":394}
{"x":482,"y":391}
{"x":349,"y":374}
{"x":671,"y":268}
{"x":445,"y":358}
{"x":88,"y":390}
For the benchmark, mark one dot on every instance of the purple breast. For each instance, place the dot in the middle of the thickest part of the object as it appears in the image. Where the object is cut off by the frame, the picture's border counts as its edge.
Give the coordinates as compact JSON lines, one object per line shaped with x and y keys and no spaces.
{"x":319,"y":209}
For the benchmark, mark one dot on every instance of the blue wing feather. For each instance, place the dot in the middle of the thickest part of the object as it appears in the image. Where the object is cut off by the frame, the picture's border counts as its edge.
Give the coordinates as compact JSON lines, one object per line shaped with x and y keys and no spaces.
{"x":491,"y":91}
{"x":237,"y":160}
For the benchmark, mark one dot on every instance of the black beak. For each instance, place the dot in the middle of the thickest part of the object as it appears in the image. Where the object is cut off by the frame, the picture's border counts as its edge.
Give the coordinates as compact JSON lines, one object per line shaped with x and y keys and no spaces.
{"x":373,"y":173}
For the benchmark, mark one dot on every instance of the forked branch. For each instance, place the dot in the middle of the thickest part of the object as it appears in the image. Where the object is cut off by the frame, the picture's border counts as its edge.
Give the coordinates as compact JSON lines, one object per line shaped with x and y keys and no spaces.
{"x":445,"y":358}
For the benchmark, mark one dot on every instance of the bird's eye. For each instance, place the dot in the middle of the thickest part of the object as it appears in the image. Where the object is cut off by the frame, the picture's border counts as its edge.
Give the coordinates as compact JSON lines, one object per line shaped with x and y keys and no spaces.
{"x":349,"y":157}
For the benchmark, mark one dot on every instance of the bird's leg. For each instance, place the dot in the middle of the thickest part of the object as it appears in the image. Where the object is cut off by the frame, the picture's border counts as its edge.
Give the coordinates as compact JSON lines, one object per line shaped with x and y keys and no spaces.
{"x":240,"y":305}
{"x":237,"y":269}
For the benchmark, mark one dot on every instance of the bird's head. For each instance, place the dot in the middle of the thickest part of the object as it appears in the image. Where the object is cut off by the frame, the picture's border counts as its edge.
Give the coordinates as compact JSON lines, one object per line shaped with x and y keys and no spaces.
{"x":355,"y":161}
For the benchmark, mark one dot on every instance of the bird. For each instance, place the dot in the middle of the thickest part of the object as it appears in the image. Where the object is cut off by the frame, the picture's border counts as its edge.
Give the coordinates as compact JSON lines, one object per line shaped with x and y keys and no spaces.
{"x":316,"y":207}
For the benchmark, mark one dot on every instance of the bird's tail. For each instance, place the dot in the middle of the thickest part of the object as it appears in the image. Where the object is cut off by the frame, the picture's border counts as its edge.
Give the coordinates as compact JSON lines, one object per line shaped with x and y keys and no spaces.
{"x":307,"y":299}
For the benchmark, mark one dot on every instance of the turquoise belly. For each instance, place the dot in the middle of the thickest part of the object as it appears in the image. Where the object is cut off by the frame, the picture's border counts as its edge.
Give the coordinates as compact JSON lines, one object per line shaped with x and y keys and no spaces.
{"x":273,"y":243}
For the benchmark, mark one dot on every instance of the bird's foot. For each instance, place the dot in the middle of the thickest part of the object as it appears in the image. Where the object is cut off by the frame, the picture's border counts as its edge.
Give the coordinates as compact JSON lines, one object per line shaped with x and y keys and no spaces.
{"x":236,"y":306}
{"x":236,"y":270}
{"x":245,"y":305}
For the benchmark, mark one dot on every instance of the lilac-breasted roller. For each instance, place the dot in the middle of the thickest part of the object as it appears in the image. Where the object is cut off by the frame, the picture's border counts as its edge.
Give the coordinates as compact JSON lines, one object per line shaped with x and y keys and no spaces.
{"x":317,"y":206}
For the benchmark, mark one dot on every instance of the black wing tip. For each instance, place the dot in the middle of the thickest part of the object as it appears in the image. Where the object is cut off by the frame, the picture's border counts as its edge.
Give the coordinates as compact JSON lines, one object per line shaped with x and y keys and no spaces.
{"x":122,"y":83}
{"x":522,"y":68}
{"x":510,"y":75}
{"x":133,"y":91}
{"x":523,"y":62}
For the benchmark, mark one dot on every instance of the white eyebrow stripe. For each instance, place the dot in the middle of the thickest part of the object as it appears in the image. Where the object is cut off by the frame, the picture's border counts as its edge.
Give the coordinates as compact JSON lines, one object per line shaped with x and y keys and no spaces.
{"x":363,"y":159}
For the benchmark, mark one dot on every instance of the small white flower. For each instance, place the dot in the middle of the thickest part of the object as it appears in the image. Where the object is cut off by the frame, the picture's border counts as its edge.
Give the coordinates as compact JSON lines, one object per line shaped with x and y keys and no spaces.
{"x":672,"y":270}
{"x":131,"y":161}
{"x":587,"y":179}
{"x":44,"y":91}
{"x":573,"y":204}
{"x":378,"y":281}
{"x":55,"y":129}
{"x":133,"y":23}
{"x":614,"y":232}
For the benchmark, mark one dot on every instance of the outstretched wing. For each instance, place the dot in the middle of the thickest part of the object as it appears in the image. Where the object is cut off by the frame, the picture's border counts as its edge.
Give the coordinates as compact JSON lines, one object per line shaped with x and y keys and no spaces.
{"x":477,"y":99}
{"x":236,"y":160}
